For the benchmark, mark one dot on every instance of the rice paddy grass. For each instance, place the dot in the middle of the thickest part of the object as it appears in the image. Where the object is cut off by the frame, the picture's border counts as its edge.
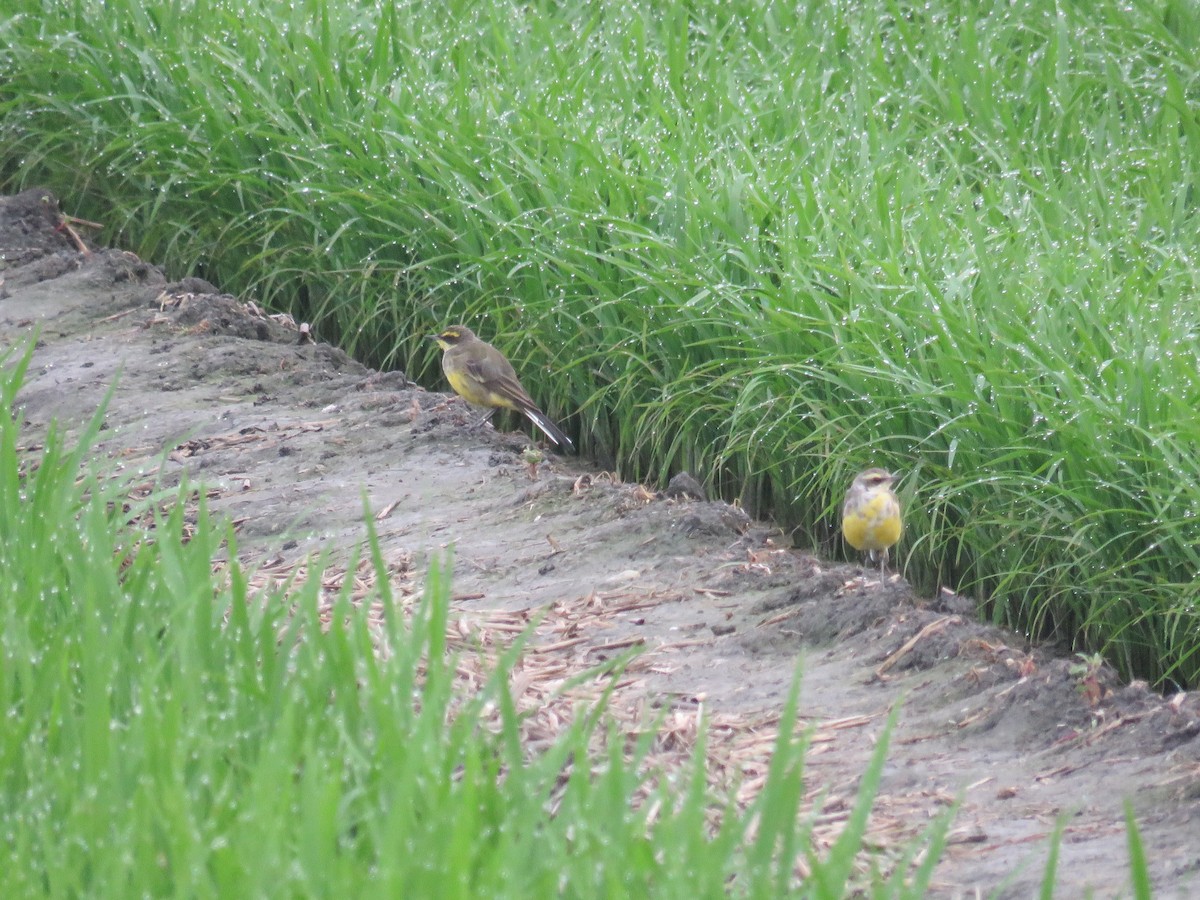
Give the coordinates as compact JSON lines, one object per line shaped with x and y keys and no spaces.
{"x":771,"y":244}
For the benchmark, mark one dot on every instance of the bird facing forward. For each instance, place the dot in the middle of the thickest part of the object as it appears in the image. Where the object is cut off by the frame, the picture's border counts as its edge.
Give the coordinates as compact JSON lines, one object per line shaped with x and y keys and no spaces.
{"x":481,"y":375}
{"x":871,"y":515}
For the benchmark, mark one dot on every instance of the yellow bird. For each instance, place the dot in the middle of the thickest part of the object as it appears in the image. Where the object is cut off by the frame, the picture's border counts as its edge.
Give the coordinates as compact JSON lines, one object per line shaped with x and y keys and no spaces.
{"x":481,"y":375}
{"x":871,"y":515}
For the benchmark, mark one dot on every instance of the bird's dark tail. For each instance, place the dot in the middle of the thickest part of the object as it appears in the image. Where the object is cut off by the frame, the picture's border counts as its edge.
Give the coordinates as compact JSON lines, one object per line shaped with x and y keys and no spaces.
{"x":542,"y":421}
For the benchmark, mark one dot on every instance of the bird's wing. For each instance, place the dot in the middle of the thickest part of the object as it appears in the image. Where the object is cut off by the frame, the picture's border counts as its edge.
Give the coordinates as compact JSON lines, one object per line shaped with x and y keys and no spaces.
{"x":499,"y":375}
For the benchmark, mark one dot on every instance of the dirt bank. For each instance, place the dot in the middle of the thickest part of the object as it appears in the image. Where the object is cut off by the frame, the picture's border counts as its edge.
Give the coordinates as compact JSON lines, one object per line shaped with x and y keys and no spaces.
{"x":296,"y":440}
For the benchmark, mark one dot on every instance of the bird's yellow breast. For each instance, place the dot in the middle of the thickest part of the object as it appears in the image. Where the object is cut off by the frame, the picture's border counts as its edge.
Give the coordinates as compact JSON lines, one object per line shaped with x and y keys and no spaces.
{"x":873,"y":524}
{"x":474,"y":391}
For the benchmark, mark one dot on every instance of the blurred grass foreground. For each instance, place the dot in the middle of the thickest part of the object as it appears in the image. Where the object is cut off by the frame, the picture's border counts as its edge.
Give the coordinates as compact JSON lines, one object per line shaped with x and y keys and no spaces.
{"x":770,"y":243}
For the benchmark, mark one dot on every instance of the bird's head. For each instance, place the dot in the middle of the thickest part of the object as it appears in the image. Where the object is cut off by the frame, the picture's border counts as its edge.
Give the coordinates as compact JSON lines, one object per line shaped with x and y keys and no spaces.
{"x":452,"y":336}
{"x":874,"y":478}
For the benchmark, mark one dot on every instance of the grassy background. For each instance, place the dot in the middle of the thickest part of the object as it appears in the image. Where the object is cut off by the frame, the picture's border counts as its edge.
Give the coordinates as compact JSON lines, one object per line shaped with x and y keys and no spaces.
{"x":770,"y":243}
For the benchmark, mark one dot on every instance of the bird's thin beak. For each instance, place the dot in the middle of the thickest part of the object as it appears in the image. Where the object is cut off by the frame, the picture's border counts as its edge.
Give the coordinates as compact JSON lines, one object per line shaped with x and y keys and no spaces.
{"x":432,"y":337}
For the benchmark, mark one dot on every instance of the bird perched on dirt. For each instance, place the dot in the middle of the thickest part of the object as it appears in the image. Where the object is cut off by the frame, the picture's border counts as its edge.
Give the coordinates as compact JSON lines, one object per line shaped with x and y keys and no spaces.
{"x":871,"y":515}
{"x":481,"y":375}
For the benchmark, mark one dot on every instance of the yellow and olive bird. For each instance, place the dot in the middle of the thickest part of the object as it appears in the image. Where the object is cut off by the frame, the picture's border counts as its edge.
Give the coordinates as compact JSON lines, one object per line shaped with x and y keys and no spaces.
{"x":481,"y":375}
{"x":871,"y":515}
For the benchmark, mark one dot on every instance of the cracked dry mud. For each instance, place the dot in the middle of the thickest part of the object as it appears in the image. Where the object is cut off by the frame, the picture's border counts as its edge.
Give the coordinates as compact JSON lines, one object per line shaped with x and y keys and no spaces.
{"x":292,"y":440}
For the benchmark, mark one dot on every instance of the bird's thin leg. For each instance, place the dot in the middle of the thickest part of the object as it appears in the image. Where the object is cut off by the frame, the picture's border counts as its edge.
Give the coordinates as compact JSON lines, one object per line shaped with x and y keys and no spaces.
{"x":487,"y":414}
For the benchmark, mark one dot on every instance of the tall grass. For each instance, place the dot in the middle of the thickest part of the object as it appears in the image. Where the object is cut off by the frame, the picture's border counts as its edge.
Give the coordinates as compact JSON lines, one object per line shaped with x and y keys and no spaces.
{"x":170,"y":732}
{"x":770,"y":243}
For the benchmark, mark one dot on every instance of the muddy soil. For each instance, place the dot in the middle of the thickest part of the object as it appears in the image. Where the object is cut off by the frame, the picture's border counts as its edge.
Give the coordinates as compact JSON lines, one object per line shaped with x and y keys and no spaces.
{"x":295,"y":440}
